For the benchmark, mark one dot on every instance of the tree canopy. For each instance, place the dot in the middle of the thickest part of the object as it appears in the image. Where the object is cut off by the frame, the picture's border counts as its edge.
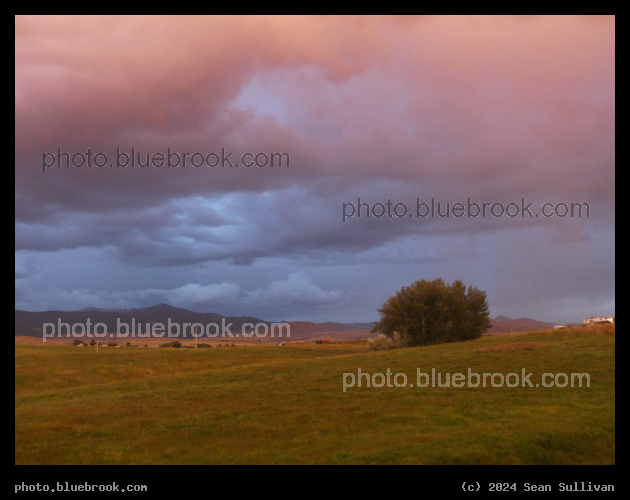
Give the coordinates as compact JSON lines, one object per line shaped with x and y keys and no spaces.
{"x":433,"y":312}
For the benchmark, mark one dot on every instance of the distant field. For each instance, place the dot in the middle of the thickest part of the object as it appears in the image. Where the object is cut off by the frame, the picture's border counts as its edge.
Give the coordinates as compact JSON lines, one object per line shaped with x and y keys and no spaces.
{"x":295,"y":336}
{"x":266,"y":404}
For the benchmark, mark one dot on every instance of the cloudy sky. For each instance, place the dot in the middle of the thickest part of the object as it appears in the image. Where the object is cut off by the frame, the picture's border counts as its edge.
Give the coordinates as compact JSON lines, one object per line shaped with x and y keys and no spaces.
{"x":514,"y":112}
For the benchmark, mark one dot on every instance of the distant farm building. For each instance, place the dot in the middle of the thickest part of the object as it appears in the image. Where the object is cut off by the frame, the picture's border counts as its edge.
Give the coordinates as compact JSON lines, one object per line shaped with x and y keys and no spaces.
{"x":559,"y":327}
{"x":599,"y":319}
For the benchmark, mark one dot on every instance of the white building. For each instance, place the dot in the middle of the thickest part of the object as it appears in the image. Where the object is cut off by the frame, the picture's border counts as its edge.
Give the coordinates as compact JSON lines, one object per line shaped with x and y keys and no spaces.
{"x":599,"y":319}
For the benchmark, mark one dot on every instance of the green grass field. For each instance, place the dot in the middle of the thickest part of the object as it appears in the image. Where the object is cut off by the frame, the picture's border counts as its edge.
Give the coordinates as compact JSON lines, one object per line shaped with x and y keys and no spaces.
{"x":286,"y":405}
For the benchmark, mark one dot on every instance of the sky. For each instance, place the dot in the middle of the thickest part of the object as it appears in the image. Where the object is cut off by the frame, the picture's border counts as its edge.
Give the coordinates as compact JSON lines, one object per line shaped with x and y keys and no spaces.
{"x":369,"y":120}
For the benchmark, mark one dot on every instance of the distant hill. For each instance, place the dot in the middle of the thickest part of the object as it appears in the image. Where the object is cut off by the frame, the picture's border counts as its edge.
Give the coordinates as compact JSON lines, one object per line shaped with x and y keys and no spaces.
{"x":30,"y":323}
{"x":306,"y":330}
{"x":305,"y":327}
{"x":505,"y":324}
{"x":363,"y":326}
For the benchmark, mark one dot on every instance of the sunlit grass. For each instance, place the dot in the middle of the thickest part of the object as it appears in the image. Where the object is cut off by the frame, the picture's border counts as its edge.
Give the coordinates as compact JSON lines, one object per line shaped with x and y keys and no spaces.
{"x":284,"y":405}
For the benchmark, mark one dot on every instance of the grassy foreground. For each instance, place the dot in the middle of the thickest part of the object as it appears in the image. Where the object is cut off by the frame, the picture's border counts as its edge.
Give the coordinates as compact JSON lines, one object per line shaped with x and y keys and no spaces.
{"x":286,"y":405}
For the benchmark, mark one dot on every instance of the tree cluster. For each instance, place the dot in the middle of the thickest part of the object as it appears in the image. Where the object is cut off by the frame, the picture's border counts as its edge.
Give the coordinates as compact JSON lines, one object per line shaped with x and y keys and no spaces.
{"x":433,"y":312}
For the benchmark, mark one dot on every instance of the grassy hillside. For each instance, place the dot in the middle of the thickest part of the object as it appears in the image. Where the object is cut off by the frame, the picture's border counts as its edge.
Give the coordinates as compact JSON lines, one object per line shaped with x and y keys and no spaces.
{"x":285,"y":405}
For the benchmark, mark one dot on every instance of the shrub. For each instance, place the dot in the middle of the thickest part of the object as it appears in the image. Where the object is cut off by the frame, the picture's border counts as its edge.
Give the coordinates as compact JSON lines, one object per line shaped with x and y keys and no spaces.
{"x":174,"y":343}
{"x":382,"y":341}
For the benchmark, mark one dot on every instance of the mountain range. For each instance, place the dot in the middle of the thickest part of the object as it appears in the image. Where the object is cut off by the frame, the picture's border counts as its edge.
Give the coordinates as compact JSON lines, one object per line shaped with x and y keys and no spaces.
{"x":505,"y":324}
{"x":29,"y":323}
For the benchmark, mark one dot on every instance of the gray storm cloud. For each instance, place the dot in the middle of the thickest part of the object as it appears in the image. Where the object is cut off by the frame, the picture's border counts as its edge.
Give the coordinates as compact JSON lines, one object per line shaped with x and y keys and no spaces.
{"x":495,"y":109}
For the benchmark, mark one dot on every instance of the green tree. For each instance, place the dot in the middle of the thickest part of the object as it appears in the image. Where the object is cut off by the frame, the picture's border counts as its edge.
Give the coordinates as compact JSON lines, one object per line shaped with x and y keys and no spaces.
{"x":432,"y":312}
